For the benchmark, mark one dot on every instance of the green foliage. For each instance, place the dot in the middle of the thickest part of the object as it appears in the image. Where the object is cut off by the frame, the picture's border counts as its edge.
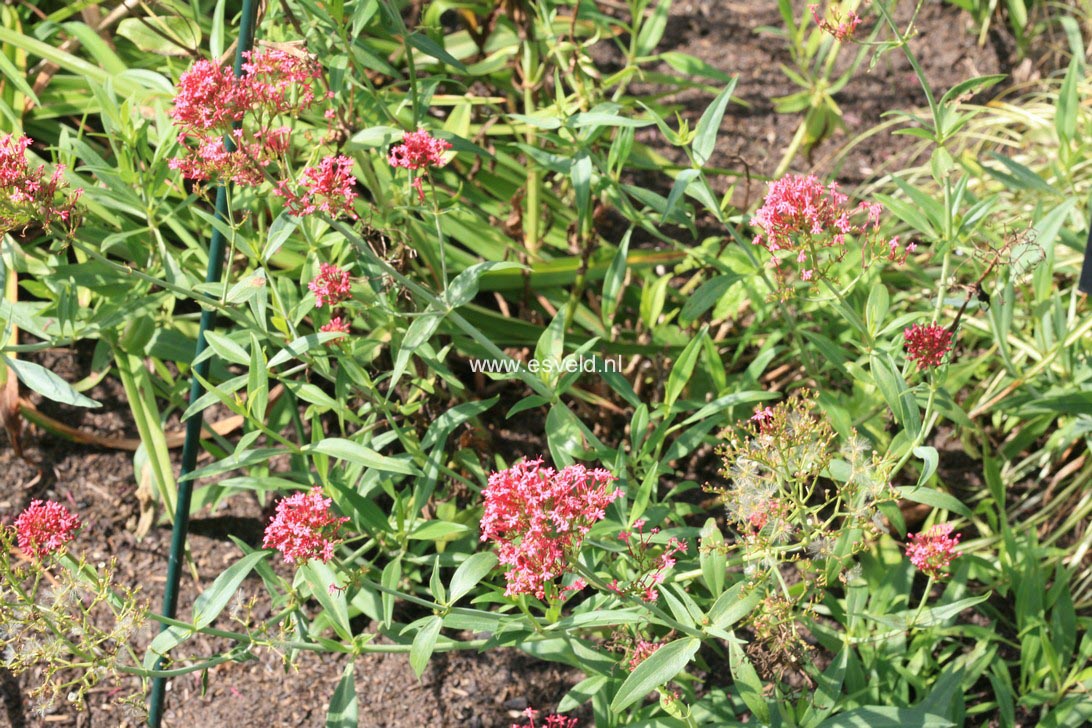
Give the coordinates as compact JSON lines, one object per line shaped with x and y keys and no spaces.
{"x":556,"y":235}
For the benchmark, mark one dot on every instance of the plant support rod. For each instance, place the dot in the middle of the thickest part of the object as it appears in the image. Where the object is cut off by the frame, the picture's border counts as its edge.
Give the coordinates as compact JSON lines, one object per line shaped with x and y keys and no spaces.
{"x":198,"y":371}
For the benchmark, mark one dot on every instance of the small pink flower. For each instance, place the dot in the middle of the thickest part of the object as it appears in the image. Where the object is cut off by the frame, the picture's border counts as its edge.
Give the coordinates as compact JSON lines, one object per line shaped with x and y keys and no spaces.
{"x":932,"y":551}
{"x":304,"y":528}
{"x":844,"y":28}
{"x":641,"y":652}
{"x":762,"y":417}
{"x":927,"y":345}
{"x":539,"y":516}
{"x":331,"y":287}
{"x":419,"y":150}
{"x":552,"y":721}
{"x":44,"y":527}
{"x":26,"y":194}
{"x":328,"y":187}
{"x":336,"y":324}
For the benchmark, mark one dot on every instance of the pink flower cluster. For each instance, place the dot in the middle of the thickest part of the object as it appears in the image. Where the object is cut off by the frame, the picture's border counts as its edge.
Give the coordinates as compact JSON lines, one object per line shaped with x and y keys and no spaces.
{"x":44,"y":527}
{"x":331,"y":286}
{"x":932,"y":551}
{"x":211,"y":101}
{"x":642,"y":650}
{"x":27,"y":195}
{"x":327,"y":187}
{"x":927,"y":345}
{"x":418,"y":150}
{"x":552,"y":721}
{"x":801,"y":216}
{"x":653,"y":569}
{"x":839,"y":28}
{"x":243,"y":166}
{"x":304,"y":528}
{"x":539,"y":517}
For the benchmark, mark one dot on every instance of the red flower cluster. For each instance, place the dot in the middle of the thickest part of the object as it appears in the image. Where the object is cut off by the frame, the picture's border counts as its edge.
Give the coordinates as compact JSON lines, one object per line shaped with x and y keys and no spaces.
{"x":336,"y":324}
{"x":211,"y":100}
{"x":642,"y":650}
{"x":330,"y":286}
{"x":927,"y":345}
{"x":44,"y":527}
{"x":801,"y":216}
{"x":327,"y":187}
{"x":303,"y":528}
{"x":552,"y":721}
{"x":932,"y":551}
{"x":418,"y":151}
{"x":27,"y":195}
{"x":840,"y":29}
{"x":539,"y":518}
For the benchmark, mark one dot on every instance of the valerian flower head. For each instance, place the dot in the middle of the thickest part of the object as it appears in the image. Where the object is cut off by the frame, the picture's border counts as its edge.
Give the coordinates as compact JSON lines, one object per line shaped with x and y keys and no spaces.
{"x":211,"y":104}
{"x":327,"y":187}
{"x":335,"y":325}
{"x":927,"y":345}
{"x":805,"y":225}
{"x":28,"y":195}
{"x":841,"y":28}
{"x":304,"y":528}
{"x":932,"y":551}
{"x":538,"y":517}
{"x":419,"y":150}
{"x":550,"y":721}
{"x":330,"y":286}
{"x":44,"y":527}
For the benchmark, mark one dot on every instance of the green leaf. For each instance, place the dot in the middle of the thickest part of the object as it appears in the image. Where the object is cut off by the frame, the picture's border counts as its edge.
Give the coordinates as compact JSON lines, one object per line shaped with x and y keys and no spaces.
{"x":730,"y":607}
{"x":828,"y":689}
{"x":225,"y":348}
{"x":343,"y":709}
{"x":706,"y":296}
{"x":424,"y":642}
{"x":933,"y":498}
{"x":352,"y":452}
{"x":677,"y":189}
{"x":878,"y":716}
{"x":581,"y":174}
{"x":658,"y":669}
{"x":48,"y":384}
{"x":319,"y":578}
{"x":165,"y":36}
{"x":465,"y":286}
{"x":931,"y":460}
{"x":712,"y":558}
{"x":207,"y":606}
{"x":581,"y":693}
{"x":469,"y":573}
{"x":616,"y":275}
{"x":705,"y":136}
{"x":431,"y":48}
{"x":750,"y":687}
{"x":683,"y":369}
{"x":652,"y":30}
{"x":1065,"y":118}
{"x":438,"y":531}
{"x":418,"y":333}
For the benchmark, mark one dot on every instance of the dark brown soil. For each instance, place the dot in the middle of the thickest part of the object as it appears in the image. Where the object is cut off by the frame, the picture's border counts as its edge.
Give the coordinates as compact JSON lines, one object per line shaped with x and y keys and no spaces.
{"x":463,"y":689}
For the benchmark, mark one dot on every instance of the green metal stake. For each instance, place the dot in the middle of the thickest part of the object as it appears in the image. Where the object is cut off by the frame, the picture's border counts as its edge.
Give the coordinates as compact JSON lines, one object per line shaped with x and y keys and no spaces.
{"x":200,"y":371}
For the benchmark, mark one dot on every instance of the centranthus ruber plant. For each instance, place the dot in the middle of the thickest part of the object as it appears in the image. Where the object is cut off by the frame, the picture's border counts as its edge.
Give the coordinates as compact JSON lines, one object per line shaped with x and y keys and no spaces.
{"x":429,"y":211}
